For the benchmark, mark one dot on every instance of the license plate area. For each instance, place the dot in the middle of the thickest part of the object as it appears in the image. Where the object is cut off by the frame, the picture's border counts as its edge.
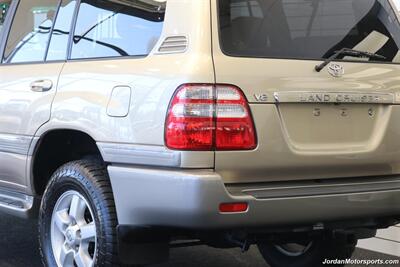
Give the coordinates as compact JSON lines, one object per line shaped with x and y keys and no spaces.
{"x":332,"y":126}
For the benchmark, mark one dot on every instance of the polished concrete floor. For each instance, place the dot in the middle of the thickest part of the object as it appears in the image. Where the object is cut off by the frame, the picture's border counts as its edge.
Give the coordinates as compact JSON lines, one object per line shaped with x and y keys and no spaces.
{"x":18,"y":248}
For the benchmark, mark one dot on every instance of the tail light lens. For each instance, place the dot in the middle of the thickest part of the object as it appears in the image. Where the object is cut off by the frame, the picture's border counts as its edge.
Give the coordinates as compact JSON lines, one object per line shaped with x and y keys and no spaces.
{"x":209,"y":117}
{"x":233,"y":207}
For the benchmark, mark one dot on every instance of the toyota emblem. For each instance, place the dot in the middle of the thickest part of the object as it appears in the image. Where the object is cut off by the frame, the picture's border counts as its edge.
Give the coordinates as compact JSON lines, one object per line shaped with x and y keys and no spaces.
{"x":336,"y":70}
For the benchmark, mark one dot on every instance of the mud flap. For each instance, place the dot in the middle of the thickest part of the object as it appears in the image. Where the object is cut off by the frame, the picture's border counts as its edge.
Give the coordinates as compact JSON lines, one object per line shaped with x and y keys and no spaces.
{"x":142,"y":245}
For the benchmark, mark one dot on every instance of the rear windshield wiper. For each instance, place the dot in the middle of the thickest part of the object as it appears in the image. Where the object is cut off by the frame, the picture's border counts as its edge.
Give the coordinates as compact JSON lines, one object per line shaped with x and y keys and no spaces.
{"x":348,"y":52}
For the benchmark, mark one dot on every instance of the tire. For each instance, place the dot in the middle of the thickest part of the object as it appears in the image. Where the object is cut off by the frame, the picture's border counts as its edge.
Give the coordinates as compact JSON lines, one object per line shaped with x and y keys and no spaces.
{"x":78,"y":216}
{"x":312,"y":253}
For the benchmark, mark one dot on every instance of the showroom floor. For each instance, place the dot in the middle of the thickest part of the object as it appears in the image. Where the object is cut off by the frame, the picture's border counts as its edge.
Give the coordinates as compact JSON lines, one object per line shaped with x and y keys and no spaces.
{"x":18,"y":243}
{"x":386,"y":241}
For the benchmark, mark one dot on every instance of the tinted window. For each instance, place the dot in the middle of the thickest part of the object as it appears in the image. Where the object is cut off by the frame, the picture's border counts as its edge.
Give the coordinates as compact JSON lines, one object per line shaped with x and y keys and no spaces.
{"x":117,"y":28}
{"x":59,"y":39}
{"x":311,"y":29}
{"x":4,"y":5}
{"x":30,"y":31}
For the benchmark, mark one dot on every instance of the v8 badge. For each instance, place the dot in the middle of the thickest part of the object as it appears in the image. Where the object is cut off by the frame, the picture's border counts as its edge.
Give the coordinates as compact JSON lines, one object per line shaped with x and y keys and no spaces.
{"x":261,"y":97}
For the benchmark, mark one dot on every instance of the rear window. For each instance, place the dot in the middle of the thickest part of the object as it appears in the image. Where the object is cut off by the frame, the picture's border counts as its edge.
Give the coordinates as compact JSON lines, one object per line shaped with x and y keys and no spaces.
{"x":308,"y":29}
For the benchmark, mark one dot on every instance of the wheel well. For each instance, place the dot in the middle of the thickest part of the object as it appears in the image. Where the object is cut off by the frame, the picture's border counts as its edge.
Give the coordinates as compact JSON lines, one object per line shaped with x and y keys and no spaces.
{"x":56,"y":148}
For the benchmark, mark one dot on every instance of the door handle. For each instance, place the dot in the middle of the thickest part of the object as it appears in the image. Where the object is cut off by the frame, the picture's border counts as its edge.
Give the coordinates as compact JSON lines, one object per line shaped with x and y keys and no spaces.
{"x":41,"y":85}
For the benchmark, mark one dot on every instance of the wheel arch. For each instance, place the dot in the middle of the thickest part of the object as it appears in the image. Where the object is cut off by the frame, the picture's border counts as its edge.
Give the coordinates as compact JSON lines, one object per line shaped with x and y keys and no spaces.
{"x":53,"y":149}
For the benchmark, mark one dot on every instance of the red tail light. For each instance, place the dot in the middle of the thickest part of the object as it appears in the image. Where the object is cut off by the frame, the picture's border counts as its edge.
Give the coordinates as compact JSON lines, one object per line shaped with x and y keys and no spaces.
{"x":209,"y":117}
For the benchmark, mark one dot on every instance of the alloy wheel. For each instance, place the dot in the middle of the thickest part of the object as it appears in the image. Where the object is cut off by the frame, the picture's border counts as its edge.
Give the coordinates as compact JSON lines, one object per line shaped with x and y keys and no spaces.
{"x":73,"y":231}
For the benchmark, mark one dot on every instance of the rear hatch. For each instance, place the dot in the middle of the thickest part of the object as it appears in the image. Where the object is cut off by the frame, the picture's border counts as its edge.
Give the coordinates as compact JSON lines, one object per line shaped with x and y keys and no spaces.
{"x":343,"y":121}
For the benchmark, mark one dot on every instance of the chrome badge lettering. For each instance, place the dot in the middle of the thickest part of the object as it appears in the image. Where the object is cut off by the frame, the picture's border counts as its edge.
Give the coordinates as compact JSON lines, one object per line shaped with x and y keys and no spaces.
{"x":333,"y":97}
{"x":315,"y":98}
{"x":261,"y":97}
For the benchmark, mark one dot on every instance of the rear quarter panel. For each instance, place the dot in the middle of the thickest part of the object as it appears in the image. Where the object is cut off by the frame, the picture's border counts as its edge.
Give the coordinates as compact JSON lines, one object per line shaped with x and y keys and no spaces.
{"x":85,"y":86}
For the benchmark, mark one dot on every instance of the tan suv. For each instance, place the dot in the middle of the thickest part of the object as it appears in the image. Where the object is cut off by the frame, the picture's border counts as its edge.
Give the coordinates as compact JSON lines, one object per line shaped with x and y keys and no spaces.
{"x":134,"y":126}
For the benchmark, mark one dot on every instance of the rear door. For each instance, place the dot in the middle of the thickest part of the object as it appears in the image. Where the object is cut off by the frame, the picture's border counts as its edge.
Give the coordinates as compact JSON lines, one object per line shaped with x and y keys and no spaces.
{"x":109,"y":74}
{"x":340,"y":122}
{"x":28,"y":80}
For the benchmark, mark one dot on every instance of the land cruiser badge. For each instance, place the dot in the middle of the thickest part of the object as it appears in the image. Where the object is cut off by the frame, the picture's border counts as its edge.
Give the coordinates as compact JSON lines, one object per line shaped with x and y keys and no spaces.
{"x":336,"y":70}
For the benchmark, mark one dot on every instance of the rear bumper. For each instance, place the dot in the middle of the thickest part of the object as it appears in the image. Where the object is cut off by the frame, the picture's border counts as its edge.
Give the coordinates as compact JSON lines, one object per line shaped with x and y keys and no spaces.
{"x":191,"y":199}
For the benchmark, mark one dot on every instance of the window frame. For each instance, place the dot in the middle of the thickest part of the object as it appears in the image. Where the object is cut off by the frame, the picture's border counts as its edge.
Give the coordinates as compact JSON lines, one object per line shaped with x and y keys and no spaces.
{"x":72,"y":30}
{"x":225,"y":53}
{"x":52,"y":31}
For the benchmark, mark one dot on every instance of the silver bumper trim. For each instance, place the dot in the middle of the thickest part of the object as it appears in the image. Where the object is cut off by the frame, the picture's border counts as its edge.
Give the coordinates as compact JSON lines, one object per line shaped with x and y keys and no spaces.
{"x":313,"y":188}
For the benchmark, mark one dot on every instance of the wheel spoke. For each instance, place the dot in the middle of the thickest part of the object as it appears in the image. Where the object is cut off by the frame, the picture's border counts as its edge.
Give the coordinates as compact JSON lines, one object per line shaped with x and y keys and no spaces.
{"x":62,"y":220}
{"x":88,"y":232}
{"x":77,"y":208}
{"x":73,"y":238}
{"x":66,"y":257}
{"x":82,"y":259}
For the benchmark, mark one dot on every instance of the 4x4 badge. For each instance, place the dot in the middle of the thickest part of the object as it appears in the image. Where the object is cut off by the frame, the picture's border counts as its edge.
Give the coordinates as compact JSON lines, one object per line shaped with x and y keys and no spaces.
{"x":336,"y":70}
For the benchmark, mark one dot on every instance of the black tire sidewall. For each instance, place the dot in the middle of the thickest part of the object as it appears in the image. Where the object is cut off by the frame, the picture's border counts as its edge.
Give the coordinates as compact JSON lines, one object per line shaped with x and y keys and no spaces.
{"x":72,"y":177}
{"x":276,"y":258}
{"x":320,"y":250}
